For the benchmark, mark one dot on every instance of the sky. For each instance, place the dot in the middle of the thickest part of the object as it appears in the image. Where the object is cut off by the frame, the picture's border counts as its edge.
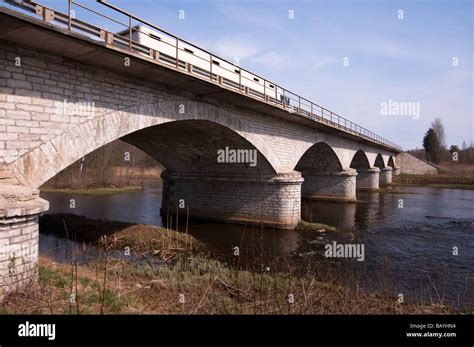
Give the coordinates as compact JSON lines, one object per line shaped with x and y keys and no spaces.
{"x":352,"y":57}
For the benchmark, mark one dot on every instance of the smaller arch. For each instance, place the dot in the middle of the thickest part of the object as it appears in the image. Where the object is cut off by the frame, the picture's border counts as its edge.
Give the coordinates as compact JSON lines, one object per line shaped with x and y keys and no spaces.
{"x":320,"y":157}
{"x":391,"y":162}
{"x":360,"y":161}
{"x":379,"y":161}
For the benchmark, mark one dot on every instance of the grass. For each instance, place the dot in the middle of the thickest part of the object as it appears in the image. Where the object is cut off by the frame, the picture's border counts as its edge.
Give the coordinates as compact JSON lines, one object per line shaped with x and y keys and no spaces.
{"x":434,"y":181}
{"x":206,"y":286}
{"x":94,"y":191}
{"x":452,"y":175}
{"x":307,"y":226}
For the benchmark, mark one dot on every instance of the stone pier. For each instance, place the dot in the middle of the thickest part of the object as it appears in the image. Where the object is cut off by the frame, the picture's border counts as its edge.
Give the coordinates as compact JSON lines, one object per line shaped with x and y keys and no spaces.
{"x":333,"y":186}
{"x":272,"y":201}
{"x":385,"y":176}
{"x":20,"y":208}
{"x":368,"y":179}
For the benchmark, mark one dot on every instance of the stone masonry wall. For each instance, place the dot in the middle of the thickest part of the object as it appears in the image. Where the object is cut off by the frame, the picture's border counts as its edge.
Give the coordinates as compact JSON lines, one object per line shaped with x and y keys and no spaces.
{"x":411,"y":165}
{"x":274,"y":201}
{"x":330,"y":185}
{"x":385,"y":176}
{"x":368,"y":179}
{"x":20,"y":209}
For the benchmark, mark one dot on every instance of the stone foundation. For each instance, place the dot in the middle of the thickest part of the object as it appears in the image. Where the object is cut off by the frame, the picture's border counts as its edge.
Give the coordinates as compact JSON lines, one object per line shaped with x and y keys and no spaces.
{"x":368,"y":179}
{"x":273,"y":201}
{"x":385,"y":176}
{"x":335,"y":186}
{"x":395,"y":171}
{"x":20,"y":208}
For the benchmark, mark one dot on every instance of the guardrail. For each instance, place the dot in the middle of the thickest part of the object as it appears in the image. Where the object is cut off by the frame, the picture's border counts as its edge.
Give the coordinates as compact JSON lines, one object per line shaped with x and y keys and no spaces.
{"x":166,"y":49}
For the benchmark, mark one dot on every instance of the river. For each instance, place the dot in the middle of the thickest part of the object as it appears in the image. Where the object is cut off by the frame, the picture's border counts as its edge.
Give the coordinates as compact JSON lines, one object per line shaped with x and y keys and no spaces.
{"x":410,"y":237}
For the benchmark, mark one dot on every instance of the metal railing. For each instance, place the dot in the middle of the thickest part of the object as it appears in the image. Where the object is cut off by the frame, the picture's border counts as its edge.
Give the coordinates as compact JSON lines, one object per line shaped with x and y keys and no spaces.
{"x":151,"y":42}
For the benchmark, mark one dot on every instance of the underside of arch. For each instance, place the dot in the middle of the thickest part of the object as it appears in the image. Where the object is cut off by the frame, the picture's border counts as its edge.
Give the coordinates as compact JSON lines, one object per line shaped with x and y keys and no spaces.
{"x":379,"y":161}
{"x":319,"y":158}
{"x":360,"y":161}
{"x":391,"y":162}
{"x":198,"y":146}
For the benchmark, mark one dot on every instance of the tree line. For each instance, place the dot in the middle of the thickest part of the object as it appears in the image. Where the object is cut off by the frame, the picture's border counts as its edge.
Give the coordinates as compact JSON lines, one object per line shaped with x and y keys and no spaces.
{"x":436,"y":149}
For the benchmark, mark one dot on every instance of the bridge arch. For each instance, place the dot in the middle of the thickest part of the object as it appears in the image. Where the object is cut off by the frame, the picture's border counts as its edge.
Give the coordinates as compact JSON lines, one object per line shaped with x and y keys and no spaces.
{"x":391,"y":162}
{"x":320,"y":157}
{"x":324,"y":176}
{"x":379,"y":162}
{"x":42,"y":163}
{"x":367,"y":175}
{"x":360,"y":161}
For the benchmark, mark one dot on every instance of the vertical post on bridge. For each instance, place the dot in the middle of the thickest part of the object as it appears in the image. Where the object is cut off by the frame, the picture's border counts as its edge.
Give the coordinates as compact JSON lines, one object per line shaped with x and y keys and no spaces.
{"x":69,"y":25}
{"x":177,"y":53}
{"x":210,"y":67}
{"x":130,"y":33}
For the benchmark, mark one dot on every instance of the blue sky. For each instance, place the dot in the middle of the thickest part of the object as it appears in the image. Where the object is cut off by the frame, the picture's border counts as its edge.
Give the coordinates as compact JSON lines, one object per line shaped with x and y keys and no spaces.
{"x":403,"y":60}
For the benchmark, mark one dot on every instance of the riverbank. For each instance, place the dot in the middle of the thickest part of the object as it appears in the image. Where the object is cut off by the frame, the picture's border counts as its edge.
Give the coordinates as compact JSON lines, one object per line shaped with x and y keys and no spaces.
{"x":192,"y":282}
{"x":441,"y":180}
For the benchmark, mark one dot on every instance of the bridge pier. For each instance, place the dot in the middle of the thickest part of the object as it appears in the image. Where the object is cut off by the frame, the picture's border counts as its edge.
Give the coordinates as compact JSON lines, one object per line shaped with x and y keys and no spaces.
{"x":396,"y":171}
{"x":273,"y":201}
{"x":335,"y":186}
{"x":385,"y":176}
{"x":368,"y":178}
{"x":20,"y":208}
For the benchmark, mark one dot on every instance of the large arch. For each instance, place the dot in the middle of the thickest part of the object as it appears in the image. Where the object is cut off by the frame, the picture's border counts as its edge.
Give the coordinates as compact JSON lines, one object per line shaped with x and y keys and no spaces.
{"x":40,"y":164}
{"x":191,"y":146}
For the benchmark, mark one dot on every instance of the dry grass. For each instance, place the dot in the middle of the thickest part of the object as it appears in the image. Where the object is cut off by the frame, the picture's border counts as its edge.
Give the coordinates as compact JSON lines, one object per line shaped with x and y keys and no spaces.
{"x":451,"y":175}
{"x":191,"y":283}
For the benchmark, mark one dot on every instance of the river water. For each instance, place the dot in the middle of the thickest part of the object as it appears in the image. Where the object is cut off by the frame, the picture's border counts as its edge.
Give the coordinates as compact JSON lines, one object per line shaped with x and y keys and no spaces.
{"x":411,"y":236}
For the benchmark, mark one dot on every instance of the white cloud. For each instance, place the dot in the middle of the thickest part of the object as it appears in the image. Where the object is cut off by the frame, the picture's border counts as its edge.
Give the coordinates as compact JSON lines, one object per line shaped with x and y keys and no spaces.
{"x":234,"y":47}
{"x":270,"y":59}
{"x":322,"y":63}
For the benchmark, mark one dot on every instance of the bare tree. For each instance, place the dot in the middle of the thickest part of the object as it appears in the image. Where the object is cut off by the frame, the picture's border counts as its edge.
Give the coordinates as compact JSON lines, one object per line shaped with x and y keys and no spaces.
{"x":438,"y":127}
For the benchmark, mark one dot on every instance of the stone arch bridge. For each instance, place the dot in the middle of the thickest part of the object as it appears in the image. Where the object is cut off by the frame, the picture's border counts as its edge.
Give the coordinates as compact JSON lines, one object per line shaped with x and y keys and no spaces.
{"x":63,"y":95}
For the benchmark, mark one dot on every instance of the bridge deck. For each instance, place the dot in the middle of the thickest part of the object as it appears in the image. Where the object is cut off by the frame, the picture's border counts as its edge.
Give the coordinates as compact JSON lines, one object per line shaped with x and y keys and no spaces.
{"x":52,"y":31}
